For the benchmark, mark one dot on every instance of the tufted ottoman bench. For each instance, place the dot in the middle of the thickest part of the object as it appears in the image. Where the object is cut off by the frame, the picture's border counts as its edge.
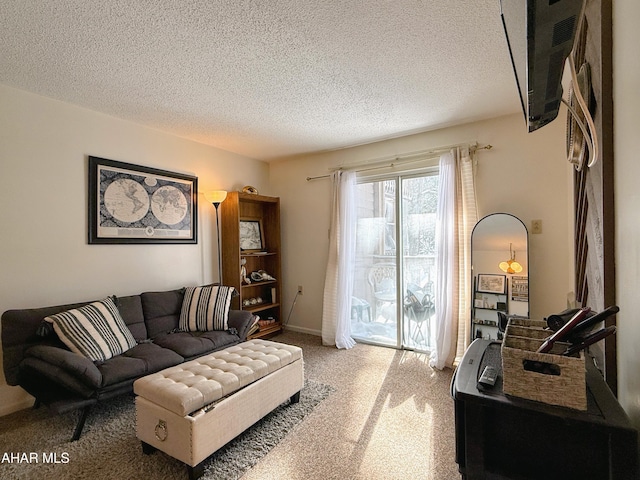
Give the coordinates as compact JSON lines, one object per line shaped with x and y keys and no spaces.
{"x":191,"y":410}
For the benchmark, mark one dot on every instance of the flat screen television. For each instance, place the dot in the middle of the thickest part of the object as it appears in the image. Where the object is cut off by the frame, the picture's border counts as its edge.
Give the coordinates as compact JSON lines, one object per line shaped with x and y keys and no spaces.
{"x":540,"y":35}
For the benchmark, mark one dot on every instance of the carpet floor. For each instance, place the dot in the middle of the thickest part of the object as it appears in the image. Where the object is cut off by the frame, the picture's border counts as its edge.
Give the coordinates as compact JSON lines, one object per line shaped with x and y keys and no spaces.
{"x":391,"y":417}
{"x":365,"y":413}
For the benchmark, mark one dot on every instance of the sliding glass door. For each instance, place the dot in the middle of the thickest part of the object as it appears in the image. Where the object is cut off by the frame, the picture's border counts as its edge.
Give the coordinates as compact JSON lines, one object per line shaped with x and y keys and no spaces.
{"x":392,"y":302}
{"x":374,"y":307}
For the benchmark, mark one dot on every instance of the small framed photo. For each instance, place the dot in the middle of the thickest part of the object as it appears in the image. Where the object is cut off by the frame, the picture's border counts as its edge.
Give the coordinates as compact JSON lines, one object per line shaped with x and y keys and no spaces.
{"x":251,"y":235}
{"x":519,"y":289}
{"x":490,"y":283}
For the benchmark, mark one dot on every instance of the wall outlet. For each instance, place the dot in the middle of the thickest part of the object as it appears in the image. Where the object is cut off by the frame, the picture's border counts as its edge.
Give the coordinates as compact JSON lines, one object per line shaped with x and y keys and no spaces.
{"x":536,"y":226}
{"x":300,"y":292}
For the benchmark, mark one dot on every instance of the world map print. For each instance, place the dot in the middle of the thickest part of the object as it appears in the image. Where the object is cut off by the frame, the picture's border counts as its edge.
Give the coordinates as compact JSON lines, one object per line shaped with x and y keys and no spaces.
{"x":142,"y":206}
{"x":126,"y":200}
{"x":169,"y":205}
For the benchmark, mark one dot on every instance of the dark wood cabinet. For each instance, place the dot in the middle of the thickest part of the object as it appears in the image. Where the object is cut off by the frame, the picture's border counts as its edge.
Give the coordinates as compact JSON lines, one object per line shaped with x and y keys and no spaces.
{"x":501,"y":437}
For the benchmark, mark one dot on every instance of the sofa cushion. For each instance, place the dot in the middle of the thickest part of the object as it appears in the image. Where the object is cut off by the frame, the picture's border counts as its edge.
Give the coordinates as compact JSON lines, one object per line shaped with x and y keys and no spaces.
{"x":19,"y":332}
{"x":77,"y":366}
{"x":206,"y":308}
{"x":96,"y":330}
{"x":241,"y":321}
{"x":136,"y":362}
{"x":43,"y":380}
{"x":130,"y":309}
{"x":161,"y":311}
{"x":194,"y":344}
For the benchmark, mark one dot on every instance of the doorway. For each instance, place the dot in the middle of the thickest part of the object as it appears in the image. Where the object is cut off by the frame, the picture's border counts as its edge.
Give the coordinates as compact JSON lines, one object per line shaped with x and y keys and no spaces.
{"x":393,"y":293}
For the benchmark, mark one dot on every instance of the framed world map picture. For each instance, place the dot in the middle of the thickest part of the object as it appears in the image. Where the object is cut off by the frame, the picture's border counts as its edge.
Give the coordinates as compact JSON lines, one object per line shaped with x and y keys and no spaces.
{"x":135,"y":204}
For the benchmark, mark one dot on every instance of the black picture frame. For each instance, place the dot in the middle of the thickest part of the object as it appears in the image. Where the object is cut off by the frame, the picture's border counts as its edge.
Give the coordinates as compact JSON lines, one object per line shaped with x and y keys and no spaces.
{"x":490,"y":283}
{"x":136,"y":204}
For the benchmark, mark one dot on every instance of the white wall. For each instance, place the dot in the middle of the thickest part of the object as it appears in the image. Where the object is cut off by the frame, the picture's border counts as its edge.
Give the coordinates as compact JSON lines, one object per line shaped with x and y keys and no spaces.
{"x":626,"y":76}
{"x":524,"y":174}
{"x":44,"y":255}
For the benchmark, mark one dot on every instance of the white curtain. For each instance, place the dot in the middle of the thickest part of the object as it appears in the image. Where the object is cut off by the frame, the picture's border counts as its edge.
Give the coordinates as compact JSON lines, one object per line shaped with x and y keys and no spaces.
{"x":338,"y":286}
{"x":456,"y":216}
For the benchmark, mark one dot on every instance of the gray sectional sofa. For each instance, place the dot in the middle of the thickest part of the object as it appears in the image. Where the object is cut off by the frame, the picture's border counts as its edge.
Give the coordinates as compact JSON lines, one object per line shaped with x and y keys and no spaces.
{"x":35,"y":358}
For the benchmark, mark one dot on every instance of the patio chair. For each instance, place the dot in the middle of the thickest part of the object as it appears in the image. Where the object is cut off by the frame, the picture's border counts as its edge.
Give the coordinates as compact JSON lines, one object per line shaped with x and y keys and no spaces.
{"x":419,"y":307}
{"x":382,"y":278}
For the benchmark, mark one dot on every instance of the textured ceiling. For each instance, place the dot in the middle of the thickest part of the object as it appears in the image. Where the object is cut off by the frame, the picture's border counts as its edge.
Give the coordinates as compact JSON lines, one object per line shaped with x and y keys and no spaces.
{"x":265,"y":79}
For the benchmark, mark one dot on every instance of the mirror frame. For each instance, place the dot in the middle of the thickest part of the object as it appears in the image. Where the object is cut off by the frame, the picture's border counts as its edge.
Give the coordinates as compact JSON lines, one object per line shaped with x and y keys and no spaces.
{"x":474,"y":273}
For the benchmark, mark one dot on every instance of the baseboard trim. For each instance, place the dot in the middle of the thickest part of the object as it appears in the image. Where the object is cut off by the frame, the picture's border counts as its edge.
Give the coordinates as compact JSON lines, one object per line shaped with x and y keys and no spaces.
{"x":310,"y":331}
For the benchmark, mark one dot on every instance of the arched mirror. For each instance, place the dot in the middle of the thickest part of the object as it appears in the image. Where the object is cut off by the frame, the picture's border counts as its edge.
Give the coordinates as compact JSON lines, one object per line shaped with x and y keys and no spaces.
{"x":500,"y":272}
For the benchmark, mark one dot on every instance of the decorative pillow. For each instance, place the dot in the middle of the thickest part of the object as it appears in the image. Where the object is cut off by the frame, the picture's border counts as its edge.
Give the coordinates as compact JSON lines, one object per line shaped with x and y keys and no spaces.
{"x":44,"y":329}
{"x":96,"y":330}
{"x":206,"y":308}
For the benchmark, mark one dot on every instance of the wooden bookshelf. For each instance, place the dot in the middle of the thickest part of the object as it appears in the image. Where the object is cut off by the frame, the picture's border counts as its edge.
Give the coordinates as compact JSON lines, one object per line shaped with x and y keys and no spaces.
{"x":259,"y":297}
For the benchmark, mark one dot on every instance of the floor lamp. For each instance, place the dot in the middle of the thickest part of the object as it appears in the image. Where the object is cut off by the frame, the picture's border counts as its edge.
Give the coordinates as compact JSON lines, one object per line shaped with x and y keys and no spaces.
{"x":216,"y":197}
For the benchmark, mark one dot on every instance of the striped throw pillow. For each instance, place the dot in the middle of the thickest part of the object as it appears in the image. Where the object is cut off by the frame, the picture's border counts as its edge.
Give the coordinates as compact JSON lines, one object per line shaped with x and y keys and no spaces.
{"x":96,"y":330}
{"x":206,"y":308}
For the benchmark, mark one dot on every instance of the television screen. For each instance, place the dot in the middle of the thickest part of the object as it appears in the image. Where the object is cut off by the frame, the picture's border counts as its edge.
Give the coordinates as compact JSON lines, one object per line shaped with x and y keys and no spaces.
{"x":540,"y":35}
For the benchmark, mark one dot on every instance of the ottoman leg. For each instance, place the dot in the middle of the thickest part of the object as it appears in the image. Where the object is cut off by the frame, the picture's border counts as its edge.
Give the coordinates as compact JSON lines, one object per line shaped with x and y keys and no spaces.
{"x":148,"y":449}
{"x":196,"y":472}
{"x":295,"y":398}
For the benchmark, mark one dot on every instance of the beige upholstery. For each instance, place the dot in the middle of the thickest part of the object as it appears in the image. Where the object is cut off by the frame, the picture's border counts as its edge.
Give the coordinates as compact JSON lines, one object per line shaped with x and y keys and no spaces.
{"x":191,"y":410}
{"x":187,"y":387}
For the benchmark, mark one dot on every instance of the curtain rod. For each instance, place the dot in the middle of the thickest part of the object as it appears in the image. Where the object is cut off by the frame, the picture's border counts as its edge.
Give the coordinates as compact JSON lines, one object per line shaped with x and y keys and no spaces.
{"x":372,"y":165}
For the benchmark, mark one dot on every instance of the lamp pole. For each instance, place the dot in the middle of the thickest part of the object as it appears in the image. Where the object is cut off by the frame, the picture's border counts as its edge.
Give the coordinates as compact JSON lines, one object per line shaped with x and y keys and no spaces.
{"x":217,"y":204}
{"x":216,"y":198}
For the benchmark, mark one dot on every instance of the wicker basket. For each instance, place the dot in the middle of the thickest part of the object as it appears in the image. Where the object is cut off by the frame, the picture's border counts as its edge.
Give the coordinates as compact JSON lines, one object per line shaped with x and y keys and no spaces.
{"x":543,"y":377}
{"x":526,"y":332}
{"x":525,"y":322}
